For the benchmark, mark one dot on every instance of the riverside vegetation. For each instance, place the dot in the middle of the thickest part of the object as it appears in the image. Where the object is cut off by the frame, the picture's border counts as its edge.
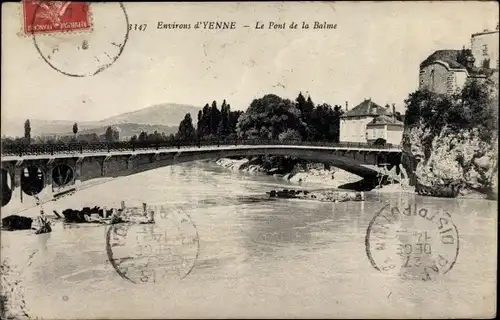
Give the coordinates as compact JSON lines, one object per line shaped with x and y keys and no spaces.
{"x":450,"y":142}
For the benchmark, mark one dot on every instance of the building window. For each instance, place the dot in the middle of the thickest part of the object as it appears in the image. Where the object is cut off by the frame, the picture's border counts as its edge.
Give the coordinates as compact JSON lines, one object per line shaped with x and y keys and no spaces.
{"x":485,"y":49}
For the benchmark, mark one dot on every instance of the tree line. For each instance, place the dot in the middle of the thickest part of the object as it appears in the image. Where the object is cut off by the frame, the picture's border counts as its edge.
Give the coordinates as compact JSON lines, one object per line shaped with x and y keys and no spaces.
{"x":272,"y":117}
{"x":269,"y":117}
{"x":111,"y":135}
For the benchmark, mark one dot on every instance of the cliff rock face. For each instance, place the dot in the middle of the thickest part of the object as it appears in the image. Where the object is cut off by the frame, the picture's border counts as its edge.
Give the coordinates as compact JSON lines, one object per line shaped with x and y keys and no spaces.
{"x":457,"y":164}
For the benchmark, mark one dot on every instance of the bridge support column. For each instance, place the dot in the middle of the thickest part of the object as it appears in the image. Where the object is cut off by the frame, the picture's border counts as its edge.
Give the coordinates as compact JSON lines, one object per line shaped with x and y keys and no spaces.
{"x":48,"y":188}
{"x":156,"y":157}
{"x":104,"y":166}
{"x":176,"y":156}
{"x":17,"y":192}
{"x":131,"y":161}
{"x":78,"y":169}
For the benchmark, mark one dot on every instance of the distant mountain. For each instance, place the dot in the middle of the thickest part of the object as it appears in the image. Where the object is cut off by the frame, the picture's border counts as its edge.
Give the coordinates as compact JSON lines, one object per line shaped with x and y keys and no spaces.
{"x":167,"y":114}
{"x":127,"y":130}
{"x":163,"y":117}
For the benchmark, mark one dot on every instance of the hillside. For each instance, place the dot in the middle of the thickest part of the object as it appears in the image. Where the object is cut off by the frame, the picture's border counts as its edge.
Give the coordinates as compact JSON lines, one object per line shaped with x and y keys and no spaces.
{"x":167,"y":114}
{"x":127,"y":130}
{"x":163,"y":117}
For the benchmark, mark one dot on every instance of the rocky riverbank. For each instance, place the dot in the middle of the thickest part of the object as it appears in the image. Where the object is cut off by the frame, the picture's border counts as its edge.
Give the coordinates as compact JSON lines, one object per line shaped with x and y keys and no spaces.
{"x":305,"y":173}
{"x":457,"y":165}
{"x":295,"y":171}
{"x":450,"y":142}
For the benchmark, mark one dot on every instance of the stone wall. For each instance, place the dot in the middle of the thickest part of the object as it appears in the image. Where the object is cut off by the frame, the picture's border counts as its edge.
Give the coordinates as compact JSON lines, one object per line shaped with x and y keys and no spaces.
{"x":437,"y":78}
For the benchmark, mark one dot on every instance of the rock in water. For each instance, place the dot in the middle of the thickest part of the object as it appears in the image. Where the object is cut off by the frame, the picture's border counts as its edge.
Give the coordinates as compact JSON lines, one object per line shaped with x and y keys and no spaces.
{"x":15,"y":222}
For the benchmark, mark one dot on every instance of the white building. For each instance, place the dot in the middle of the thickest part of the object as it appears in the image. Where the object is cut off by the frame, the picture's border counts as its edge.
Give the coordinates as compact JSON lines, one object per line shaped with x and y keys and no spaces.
{"x":484,"y":47}
{"x":353,"y":122}
{"x":385,"y":127}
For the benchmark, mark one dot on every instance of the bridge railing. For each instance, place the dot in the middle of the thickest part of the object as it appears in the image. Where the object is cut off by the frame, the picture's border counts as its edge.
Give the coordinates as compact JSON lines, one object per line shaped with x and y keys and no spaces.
{"x":80,"y":148}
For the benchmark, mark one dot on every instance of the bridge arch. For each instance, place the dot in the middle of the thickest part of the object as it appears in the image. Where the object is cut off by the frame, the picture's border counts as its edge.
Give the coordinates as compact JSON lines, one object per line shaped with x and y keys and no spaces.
{"x":363,"y":164}
{"x":32,"y":180}
{"x":7,"y":187}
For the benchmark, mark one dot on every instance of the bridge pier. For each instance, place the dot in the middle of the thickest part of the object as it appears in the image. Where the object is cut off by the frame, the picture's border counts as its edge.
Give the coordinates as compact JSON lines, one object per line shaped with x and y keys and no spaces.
{"x":104,"y":165}
{"x":131,"y":161}
{"x":48,"y":189}
{"x":17,"y":192}
{"x":78,"y":168}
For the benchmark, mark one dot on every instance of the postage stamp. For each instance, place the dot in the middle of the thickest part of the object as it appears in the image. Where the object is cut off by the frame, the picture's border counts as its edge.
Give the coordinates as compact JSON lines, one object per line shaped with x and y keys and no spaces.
{"x":41,"y":17}
{"x":76,"y":38}
{"x":152,"y":253}
{"x":412,"y":242}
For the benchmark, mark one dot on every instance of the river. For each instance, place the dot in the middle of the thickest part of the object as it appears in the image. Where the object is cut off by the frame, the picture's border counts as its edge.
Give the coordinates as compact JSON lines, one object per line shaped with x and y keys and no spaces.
{"x":256,"y":258}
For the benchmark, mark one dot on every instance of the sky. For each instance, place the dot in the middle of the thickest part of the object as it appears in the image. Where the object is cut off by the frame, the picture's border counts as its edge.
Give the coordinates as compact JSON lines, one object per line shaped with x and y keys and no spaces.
{"x":374,"y":52}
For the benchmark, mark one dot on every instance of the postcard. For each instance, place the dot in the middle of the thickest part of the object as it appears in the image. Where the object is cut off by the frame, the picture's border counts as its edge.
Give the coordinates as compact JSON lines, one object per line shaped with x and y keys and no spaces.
{"x":249,"y":160}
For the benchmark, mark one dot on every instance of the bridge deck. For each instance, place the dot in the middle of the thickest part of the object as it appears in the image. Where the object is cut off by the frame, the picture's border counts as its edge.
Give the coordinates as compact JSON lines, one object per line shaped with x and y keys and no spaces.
{"x":100,"y":153}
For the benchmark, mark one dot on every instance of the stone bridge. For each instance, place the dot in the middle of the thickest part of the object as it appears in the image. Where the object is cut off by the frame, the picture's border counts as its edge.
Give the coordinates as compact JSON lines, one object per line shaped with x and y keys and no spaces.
{"x":52,"y":170}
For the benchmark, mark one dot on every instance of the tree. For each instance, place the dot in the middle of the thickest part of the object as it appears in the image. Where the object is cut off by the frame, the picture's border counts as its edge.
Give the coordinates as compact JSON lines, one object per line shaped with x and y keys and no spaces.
{"x":233,"y":120}
{"x":111,"y":134}
{"x":306,"y":108}
{"x":205,"y":125}
{"x":199,"y":125}
{"x":290,"y":134}
{"x":301,"y":101}
{"x":267,"y":117}
{"x":27,"y":131}
{"x":215,"y":116}
{"x":471,"y":108}
{"x":143,"y":136}
{"x":116,"y":135}
{"x":186,"y":129}
{"x":223,"y":127}
{"x":325,"y":123}
{"x":75,"y":130}
{"x":465,"y":58}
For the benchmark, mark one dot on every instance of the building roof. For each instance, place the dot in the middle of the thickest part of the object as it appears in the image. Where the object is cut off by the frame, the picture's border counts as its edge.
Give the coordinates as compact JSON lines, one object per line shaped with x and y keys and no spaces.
{"x":366,"y":108}
{"x":484,"y":32}
{"x":451,"y":58}
{"x":448,"y":56}
{"x":383,"y":119}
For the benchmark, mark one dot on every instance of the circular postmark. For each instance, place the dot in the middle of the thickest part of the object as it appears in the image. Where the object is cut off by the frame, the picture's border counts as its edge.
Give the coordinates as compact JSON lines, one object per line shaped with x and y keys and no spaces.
{"x":412,"y":242}
{"x":71,"y":51}
{"x":151,"y":253}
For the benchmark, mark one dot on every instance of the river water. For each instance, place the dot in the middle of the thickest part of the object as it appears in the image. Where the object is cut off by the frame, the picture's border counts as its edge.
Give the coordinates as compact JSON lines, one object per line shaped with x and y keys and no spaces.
{"x":253,"y":257}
